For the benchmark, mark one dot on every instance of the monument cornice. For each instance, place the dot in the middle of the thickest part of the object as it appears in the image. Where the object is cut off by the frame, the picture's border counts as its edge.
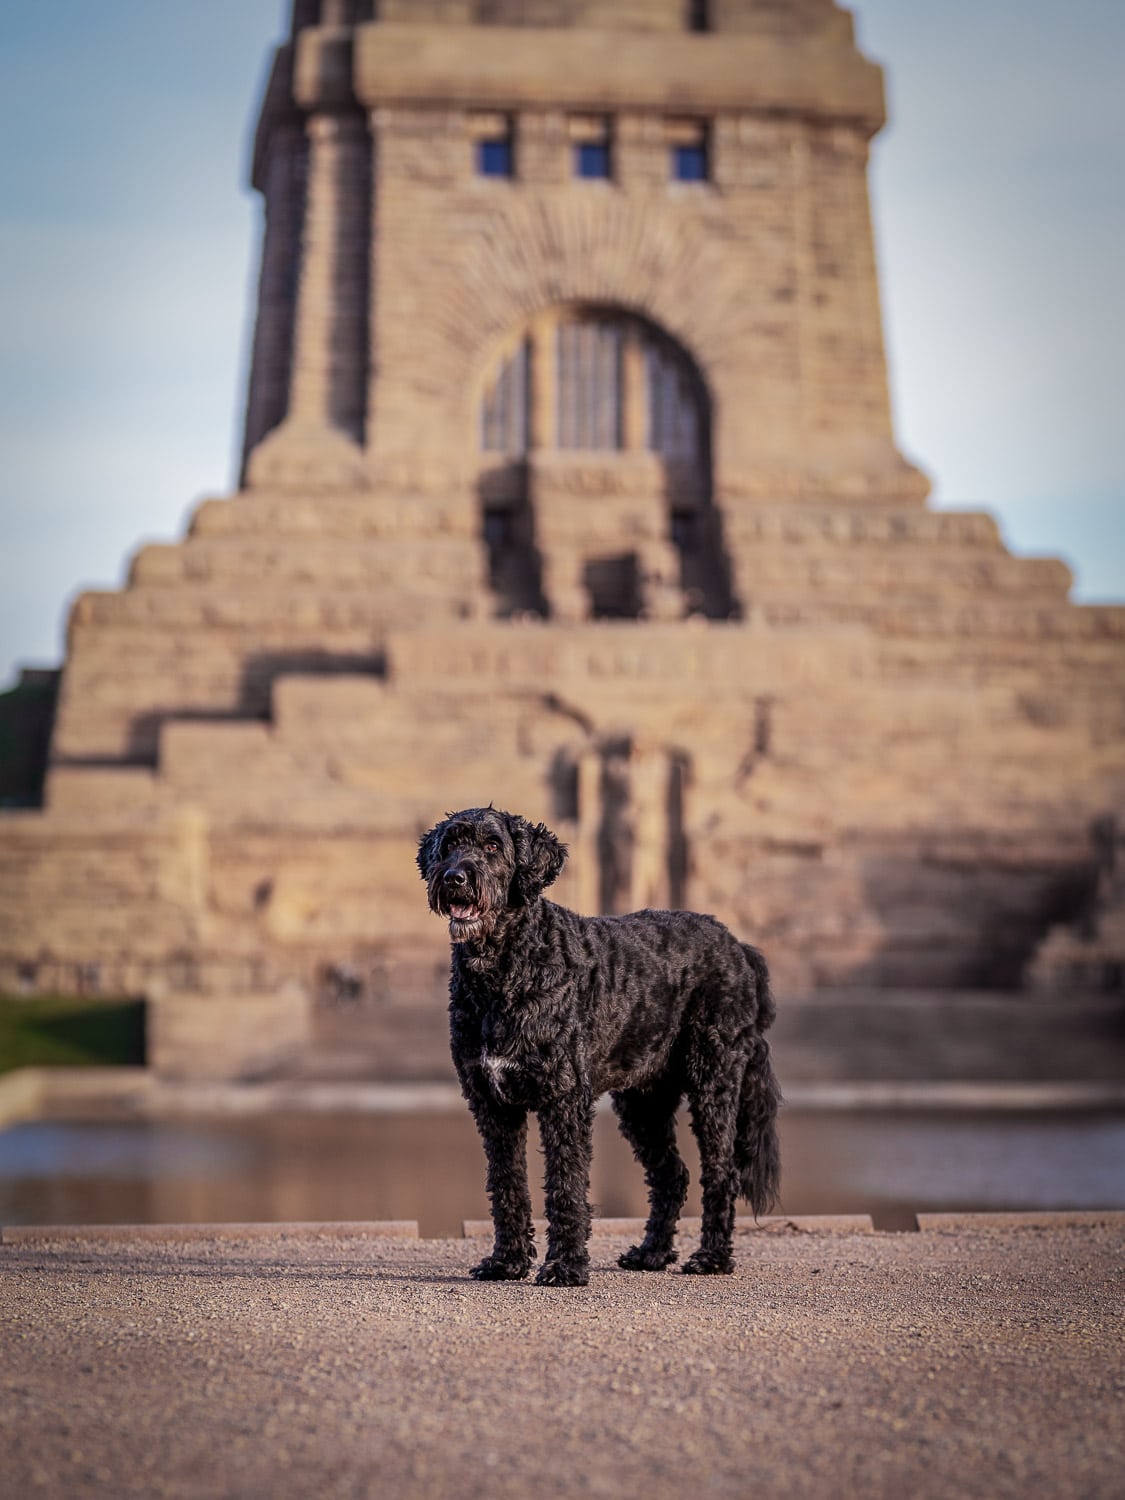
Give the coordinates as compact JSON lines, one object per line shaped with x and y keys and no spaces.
{"x":518,"y":67}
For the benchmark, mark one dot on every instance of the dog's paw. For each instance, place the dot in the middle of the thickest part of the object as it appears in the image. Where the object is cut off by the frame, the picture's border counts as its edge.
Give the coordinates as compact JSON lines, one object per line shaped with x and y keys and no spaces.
{"x":709,"y":1263}
{"x":501,"y":1268}
{"x":640,"y":1259}
{"x":562,"y":1273}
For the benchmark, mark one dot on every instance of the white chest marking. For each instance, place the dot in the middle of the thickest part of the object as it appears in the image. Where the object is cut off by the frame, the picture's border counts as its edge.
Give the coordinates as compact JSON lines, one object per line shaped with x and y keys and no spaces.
{"x":496,"y":1067}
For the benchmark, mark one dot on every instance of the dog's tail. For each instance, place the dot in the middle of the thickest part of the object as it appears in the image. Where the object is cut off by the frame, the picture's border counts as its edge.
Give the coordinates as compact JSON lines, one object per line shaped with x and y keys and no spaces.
{"x":757,"y":1156}
{"x":767,"y":1009}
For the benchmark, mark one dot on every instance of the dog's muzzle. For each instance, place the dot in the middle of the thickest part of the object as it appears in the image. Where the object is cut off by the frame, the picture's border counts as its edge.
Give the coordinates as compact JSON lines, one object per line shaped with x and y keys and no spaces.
{"x":458,"y":900}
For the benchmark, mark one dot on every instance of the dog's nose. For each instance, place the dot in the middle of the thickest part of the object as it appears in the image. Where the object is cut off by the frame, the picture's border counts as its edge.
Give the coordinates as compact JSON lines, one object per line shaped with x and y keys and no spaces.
{"x":456,"y":877}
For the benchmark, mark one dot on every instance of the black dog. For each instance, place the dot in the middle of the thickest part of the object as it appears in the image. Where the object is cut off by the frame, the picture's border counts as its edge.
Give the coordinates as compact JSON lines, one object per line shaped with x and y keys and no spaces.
{"x":548,"y":1010}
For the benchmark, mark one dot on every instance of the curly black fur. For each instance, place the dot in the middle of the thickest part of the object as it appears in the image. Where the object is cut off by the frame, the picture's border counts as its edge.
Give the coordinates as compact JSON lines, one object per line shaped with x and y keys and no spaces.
{"x":548,"y":1010}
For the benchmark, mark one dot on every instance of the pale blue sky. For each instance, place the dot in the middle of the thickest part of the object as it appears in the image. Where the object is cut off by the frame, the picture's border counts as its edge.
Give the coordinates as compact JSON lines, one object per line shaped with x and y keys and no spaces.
{"x":128,"y":242}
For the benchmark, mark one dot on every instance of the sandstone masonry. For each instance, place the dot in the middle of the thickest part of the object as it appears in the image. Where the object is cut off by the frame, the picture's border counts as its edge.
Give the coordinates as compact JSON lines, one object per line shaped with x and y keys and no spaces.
{"x":569,"y":483}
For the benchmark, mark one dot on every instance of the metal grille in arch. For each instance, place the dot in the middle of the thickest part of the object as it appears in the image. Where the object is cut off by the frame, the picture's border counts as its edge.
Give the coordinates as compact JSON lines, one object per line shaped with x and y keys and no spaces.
{"x":613,"y":383}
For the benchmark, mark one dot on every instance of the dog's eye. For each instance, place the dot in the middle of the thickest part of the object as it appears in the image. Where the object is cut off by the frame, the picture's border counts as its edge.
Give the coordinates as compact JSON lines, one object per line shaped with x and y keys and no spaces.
{"x":492,"y":847}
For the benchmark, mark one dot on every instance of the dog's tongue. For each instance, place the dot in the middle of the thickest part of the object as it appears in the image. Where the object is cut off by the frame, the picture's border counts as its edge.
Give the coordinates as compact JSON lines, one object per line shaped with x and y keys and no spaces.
{"x":460,"y":911}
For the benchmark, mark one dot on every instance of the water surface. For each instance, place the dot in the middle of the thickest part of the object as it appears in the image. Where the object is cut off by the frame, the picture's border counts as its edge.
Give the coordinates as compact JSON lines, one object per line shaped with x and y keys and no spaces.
{"x":429,"y":1167}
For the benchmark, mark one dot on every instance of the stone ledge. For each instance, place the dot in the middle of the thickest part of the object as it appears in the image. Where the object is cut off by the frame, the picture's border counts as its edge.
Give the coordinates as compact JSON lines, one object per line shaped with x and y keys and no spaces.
{"x":113,"y":1234}
{"x":473,"y":1229}
{"x":55,"y":1093}
{"x":1051,"y":1219}
{"x":953,"y":1095}
{"x":397,"y":1229}
{"x":407,"y":1229}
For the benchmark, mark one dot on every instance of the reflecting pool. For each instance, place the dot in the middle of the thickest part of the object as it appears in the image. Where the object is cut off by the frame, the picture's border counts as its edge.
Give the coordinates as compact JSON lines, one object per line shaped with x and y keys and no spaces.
{"x":429,"y":1167}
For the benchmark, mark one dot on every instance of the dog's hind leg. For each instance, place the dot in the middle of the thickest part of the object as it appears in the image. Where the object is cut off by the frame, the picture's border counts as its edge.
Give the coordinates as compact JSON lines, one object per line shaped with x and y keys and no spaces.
{"x":714,"y":1111}
{"x":648,"y":1122}
{"x":503,"y":1131}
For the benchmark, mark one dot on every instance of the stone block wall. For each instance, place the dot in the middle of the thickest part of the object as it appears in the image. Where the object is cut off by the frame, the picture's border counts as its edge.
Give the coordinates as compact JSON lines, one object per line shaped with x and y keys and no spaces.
{"x":226,"y":1036}
{"x":863,"y":813}
{"x":764,"y":272}
{"x":263,"y":584}
{"x":777,"y":304}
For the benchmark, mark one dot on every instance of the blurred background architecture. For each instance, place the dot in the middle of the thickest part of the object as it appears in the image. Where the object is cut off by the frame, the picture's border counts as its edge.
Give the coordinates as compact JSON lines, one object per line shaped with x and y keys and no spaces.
{"x":569,"y":484}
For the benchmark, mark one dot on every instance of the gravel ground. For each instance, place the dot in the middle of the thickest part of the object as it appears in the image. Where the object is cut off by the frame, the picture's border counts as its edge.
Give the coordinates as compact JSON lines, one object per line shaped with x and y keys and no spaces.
{"x":968,"y":1360}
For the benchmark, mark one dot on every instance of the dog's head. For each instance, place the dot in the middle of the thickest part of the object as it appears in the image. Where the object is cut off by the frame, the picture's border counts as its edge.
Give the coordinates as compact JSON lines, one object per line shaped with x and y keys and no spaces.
{"x":480,"y":863}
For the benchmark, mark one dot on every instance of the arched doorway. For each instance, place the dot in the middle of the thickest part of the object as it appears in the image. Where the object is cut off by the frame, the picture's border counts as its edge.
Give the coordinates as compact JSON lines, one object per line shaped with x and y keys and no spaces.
{"x":593,"y":452}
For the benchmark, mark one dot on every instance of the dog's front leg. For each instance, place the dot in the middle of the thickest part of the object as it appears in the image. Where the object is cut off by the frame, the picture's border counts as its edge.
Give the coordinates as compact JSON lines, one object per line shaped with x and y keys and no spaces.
{"x":566,"y":1127}
{"x":503,"y":1130}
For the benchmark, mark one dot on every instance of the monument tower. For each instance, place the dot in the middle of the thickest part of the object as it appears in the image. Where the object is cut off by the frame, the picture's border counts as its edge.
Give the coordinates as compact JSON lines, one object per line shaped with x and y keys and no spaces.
{"x":569,"y":483}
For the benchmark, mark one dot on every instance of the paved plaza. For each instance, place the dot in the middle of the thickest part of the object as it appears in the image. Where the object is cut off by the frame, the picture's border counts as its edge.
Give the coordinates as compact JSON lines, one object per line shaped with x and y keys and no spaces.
{"x":979,"y":1357}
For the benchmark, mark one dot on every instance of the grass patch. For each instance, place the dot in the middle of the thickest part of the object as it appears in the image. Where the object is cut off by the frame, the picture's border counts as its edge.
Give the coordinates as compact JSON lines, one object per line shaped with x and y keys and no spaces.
{"x":59,"y":1031}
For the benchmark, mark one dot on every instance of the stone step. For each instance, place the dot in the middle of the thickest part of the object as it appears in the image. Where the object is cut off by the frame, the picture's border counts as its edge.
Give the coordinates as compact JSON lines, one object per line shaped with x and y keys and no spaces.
{"x":973,"y":626}
{"x":255,"y":513}
{"x":266,"y":608}
{"x":339,"y":563}
{"x":890,"y":526}
{"x":939,"y":577}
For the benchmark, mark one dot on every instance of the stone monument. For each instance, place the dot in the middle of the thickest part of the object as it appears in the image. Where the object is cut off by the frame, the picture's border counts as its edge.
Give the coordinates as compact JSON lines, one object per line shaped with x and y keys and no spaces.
{"x":569,"y":484}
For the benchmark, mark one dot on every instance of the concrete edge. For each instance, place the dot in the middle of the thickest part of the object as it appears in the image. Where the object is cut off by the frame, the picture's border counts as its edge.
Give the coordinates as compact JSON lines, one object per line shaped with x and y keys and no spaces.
{"x":1050,"y":1219}
{"x":112,"y":1234}
{"x":998,"y":1095}
{"x":473,"y":1229}
{"x":141,"y":1093}
{"x":407,"y":1229}
{"x":69,"y":1093}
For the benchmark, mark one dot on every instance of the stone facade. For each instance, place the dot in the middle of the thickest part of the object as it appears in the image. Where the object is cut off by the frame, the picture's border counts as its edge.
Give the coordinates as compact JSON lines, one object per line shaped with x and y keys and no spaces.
{"x":569,"y":483}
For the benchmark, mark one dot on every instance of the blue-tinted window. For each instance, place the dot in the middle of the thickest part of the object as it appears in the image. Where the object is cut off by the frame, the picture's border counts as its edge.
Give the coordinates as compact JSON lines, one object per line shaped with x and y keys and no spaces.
{"x":494,"y":157}
{"x":689,"y":163}
{"x":591,"y":159}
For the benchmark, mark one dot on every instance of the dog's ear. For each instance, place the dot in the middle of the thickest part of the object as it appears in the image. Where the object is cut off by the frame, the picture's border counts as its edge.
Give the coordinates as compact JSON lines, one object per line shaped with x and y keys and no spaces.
{"x":428,"y":849}
{"x":540,"y":857}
